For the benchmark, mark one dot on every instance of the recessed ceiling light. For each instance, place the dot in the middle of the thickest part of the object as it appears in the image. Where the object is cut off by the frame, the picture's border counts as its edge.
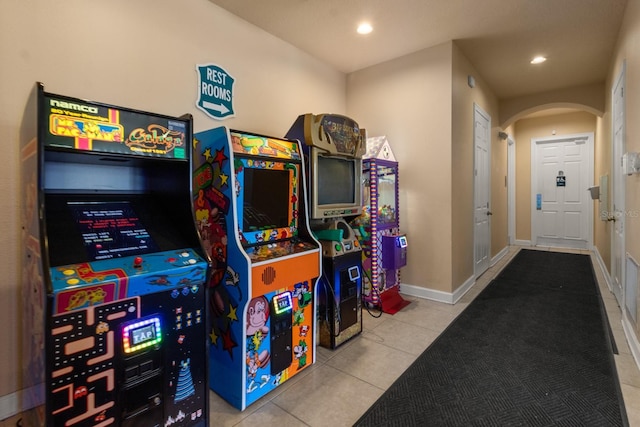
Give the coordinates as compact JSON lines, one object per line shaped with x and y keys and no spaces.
{"x":538,"y":60}
{"x":364,"y":28}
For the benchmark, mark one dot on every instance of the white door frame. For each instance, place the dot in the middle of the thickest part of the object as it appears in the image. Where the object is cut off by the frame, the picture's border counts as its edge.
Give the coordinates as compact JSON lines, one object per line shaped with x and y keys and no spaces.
{"x":511,"y":189}
{"x":481,"y":259}
{"x":617,"y":215}
{"x":588,"y":138}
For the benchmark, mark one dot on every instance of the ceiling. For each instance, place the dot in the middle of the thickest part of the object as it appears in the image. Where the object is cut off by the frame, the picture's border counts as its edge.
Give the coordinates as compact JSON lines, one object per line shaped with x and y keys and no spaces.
{"x":499,"y":37}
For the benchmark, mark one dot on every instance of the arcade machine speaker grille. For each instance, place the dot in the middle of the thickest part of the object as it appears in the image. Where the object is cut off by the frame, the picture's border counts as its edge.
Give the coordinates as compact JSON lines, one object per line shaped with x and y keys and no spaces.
{"x":269,"y":275}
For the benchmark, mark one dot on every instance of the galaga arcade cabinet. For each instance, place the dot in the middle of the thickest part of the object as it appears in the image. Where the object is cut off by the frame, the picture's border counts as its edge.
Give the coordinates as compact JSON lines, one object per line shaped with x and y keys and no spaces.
{"x":384,"y":247}
{"x":251,"y":211}
{"x":333,"y":147}
{"x":114,"y":274}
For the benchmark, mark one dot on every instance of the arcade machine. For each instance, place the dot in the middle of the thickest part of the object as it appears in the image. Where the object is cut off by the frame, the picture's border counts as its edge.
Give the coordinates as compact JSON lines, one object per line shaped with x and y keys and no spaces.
{"x":377,"y":228}
{"x":333,"y":147}
{"x":250,"y":208}
{"x":114,"y":275}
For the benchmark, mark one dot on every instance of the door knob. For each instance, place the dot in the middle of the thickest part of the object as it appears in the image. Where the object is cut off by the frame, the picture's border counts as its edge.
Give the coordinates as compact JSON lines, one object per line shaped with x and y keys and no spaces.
{"x":489,"y":213}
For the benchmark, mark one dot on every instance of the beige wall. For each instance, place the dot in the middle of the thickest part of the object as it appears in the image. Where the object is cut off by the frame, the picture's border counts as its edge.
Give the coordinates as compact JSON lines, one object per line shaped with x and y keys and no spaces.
{"x":590,"y":98}
{"x":424,"y":106}
{"x":409,"y":101}
{"x":143,"y":55}
{"x":541,"y":127}
{"x":628,"y":50}
{"x":462,"y":176}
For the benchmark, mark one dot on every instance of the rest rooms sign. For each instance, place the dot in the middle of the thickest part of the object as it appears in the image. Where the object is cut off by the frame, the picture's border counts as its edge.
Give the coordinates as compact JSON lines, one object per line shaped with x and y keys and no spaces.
{"x":215,"y":91}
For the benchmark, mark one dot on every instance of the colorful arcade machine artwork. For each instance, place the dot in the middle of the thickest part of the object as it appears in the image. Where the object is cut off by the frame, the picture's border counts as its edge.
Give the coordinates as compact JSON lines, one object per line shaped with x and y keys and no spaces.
{"x":114,"y":273}
{"x":251,"y":213}
{"x":333,"y":147}
{"x":384,"y":248}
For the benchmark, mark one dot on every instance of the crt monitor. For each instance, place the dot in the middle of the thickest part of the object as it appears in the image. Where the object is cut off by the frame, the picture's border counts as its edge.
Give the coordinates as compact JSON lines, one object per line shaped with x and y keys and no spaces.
{"x":89,"y":226}
{"x":336,"y":188}
{"x":267,"y":192}
{"x":266,"y":199}
{"x":335,"y":181}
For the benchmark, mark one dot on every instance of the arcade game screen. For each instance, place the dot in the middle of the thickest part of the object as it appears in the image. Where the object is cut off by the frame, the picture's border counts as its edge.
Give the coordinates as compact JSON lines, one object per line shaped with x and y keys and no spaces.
{"x":94,"y":227}
{"x":111,"y":229}
{"x":335,"y":181}
{"x":266,"y":199}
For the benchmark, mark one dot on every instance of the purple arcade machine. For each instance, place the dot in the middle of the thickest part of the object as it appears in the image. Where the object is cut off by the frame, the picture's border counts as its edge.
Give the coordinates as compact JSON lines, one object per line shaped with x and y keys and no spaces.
{"x":333,"y":147}
{"x":384,"y":248}
{"x":114,"y":275}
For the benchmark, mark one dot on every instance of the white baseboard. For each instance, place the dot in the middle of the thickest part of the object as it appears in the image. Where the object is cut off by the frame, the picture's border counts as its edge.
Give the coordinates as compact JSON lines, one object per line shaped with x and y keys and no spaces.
{"x":448,"y":297}
{"x":21,"y":400}
{"x":499,"y":256}
{"x":9,"y":405}
{"x":426,"y":293}
{"x":440,"y":296}
{"x":459,"y":293}
{"x":632,"y":339}
{"x":523,"y":242}
{"x":603,"y":267}
{"x":627,"y":326}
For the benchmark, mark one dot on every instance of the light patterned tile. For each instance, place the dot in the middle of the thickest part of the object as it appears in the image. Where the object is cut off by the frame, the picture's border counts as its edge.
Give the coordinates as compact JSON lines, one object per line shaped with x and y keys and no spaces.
{"x":328,"y":397}
{"x":433,"y":305}
{"x":418,"y":315}
{"x":372,"y":317}
{"x":373,"y":362}
{"x":632,"y":403}
{"x":269,"y":415}
{"x":627,"y":370}
{"x":621,"y":341}
{"x":223,"y":414}
{"x":403,"y":336}
{"x":634,"y":417}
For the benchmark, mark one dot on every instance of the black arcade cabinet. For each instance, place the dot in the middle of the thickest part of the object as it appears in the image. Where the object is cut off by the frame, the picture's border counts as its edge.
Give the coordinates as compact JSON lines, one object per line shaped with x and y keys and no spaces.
{"x":114,"y":275}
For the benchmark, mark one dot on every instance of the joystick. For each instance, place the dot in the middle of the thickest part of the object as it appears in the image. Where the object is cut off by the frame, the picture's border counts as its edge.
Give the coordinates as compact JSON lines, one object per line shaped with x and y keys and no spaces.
{"x":137,"y":262}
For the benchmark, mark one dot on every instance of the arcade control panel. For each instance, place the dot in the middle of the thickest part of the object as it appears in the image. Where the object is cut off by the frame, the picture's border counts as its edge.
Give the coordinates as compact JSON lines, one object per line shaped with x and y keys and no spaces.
{"x":89,"y":283}
{"x":129,"y":342}
{"x":337,"y":239}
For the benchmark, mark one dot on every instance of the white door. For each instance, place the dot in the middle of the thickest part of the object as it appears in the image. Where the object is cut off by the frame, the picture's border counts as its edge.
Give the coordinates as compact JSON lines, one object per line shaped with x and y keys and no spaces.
{"x":562,"y":172}
{"x":482,"y":193}
{"x":618,"y":187}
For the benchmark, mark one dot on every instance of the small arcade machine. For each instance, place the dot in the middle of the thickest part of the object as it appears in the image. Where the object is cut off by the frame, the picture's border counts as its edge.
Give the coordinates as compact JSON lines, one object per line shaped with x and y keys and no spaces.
{"x":251,"y":212}
{"x":377,"y":228}
{"x":114,"y":275}
{"x":333,"y":147}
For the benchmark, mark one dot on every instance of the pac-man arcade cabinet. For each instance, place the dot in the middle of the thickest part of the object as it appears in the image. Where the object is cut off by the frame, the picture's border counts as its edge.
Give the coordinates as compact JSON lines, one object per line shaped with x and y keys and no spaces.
{"x":114,"y":275}
{"x":252,"y":216}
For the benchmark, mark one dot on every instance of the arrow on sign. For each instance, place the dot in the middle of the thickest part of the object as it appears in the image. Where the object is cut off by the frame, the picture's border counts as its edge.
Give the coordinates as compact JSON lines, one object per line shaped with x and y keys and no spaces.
{"x":216,"y":107}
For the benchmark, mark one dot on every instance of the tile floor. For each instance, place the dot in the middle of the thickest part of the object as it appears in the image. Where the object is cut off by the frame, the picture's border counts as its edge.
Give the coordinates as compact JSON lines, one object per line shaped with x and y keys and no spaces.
{"x":345,"y":382}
